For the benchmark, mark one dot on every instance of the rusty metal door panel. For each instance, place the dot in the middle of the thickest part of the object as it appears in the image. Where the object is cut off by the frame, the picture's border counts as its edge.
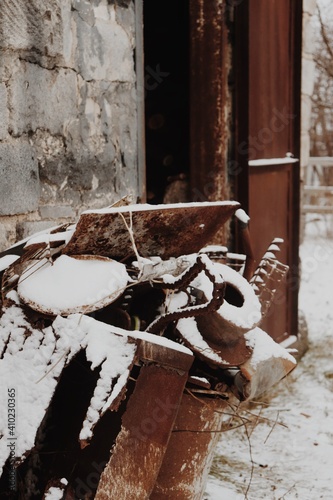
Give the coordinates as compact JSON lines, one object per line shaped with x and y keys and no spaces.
{"x":146,"y":427}
{"x":274,"y":130}
{"x":190,"y":452}
{"x":272,"y":78}
{"x":270,"y":208}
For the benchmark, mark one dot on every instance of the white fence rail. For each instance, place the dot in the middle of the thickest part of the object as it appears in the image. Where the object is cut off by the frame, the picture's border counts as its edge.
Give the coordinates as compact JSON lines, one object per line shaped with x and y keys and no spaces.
{"x":317,"y":196}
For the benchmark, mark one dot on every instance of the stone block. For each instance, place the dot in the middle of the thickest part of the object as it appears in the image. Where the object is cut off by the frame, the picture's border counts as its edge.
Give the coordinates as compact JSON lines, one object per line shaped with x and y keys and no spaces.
{"x":29,"y":228}
{"x":19,"y":186}
{"x":68,"y":25}
{"x":85,"y":11}
{"x":57,"y":212}
{"x":104,"y":48}
{"x":103,"y":141}
{"x":3,"y":112}
{"x":41,"y":98}
{"x":38,"y":27}
{"x":125,"y":16}
{"x":7,"y":234}
{"x":7,"y":66}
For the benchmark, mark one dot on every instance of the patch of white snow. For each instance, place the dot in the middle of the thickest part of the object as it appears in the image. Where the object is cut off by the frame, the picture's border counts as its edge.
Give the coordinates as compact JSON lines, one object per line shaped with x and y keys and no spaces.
{"x":72,"y":285}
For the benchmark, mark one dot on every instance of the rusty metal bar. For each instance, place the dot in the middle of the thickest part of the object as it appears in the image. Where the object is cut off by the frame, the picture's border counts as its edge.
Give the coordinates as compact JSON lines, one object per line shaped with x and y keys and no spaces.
{"x":247,"y":246}
{"x":187,"y":462}
{"x":209,"y":63}
{"x":250,"y":263}
{"x":146,"y":428}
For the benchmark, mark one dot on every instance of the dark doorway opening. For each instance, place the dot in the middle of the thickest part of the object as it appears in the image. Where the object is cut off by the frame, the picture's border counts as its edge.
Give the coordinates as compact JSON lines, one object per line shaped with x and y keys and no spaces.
{"x":166,"y":64}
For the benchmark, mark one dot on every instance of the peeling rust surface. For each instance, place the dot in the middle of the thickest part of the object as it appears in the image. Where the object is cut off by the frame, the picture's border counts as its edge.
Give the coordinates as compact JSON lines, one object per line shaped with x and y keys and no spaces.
{"x":190,"y":452}
{"x":142,"y":442}
{"x":231,"y":347}
{"x":166,"y":232}
{"x":210,"y":63}
{"x":165,"y":356}
{"x":253,"y":380}
{"x":271,"y":216}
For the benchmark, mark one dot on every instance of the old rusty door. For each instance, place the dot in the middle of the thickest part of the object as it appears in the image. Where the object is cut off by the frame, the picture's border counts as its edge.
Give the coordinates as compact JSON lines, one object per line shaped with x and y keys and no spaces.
{"x":266,"y":76}
{"x":274,"y":61}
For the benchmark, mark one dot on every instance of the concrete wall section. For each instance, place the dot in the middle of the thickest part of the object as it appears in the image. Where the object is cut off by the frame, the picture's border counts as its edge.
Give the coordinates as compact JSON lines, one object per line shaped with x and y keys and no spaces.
{"x":68,"y":110}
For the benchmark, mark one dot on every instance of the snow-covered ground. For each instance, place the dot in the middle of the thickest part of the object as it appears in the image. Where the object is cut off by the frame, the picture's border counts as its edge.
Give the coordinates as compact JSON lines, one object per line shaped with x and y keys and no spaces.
{"x":290,"y":454}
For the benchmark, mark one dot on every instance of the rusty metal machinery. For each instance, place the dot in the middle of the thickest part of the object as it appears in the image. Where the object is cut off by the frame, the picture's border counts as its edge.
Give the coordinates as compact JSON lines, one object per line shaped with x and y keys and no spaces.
{"x":184,"y":317}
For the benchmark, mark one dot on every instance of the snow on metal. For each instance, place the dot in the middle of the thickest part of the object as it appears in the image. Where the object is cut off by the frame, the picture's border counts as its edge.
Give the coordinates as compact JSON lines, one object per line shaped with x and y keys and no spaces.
{"x":32,"y":360}
{"x":143,"y":295}
{"x":72,"y":284}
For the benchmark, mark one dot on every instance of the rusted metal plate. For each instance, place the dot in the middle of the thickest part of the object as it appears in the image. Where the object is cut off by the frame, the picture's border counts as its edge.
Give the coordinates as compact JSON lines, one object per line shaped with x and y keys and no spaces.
{"x":226,"y":354}
{"x":275,"y":29}
{"x":230,"y":347}
{"x":267,"y":122}
{"x":270,"y":217}
{"x":163,"y":230}
{"x":274,"y":77}
{"x":266,"y":367}
{"x":148,"y":352}
{"x":142,"y":442}
{"x":254,"y":380}
{"x":187,"y":462}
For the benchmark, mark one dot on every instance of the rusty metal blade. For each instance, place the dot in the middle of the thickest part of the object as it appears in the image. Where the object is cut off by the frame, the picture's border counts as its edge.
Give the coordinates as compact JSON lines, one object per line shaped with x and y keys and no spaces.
{"x":187,"y":462}
{"x":163,"y":230}
{"x":146,"y":428}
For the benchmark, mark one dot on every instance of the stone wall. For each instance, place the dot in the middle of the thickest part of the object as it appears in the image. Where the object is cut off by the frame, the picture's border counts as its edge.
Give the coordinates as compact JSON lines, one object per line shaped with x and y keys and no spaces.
{"x":68,"y":110}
